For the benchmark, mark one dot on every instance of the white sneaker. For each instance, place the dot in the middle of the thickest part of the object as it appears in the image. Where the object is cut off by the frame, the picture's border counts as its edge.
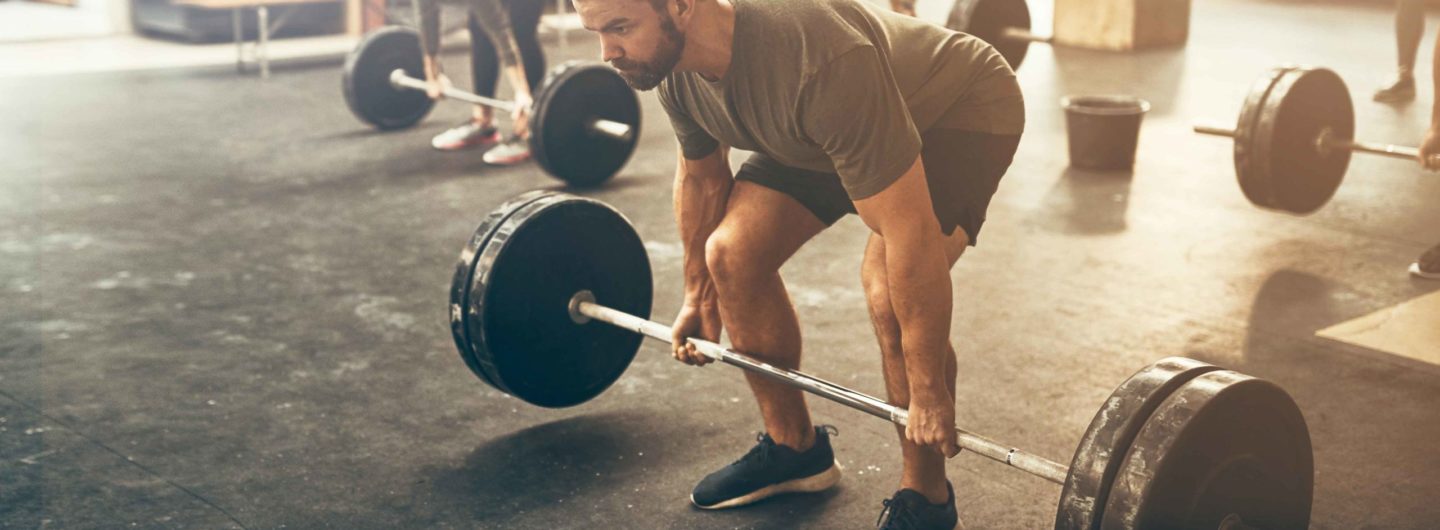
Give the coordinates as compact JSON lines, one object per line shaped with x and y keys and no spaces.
{"x":1427,"y":266}
{"x":513,"y":150}
{"x":466,"y":136}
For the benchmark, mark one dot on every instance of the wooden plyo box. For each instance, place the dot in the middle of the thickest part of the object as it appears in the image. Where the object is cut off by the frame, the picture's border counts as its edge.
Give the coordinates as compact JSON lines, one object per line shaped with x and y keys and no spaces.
{"x":1122,"y":24}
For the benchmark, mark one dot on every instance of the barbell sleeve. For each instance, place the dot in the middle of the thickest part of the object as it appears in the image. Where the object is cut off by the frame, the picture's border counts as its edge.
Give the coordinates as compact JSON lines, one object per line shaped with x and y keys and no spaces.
{"x":1213,"y":130}
{"x":1025,"y":35}
{"x":601,"y":126}
{"x":1402,"y":152}
{"x":583,"y":308}
{"x":611,"y":128}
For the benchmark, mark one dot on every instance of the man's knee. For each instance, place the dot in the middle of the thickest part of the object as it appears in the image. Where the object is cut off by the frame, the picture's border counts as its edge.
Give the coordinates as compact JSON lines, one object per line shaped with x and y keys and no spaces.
{"x":730,"y":260}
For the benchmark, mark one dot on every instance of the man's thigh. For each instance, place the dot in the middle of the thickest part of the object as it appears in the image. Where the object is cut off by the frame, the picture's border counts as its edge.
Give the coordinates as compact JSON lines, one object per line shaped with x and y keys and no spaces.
{"x":818,"y":192}
{"x":767,"y":226}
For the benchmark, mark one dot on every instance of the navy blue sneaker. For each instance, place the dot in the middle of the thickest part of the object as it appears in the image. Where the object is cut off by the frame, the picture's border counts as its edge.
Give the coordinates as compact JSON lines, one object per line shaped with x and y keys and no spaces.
{"x":909,"y":510}
{"x":770,"y":469}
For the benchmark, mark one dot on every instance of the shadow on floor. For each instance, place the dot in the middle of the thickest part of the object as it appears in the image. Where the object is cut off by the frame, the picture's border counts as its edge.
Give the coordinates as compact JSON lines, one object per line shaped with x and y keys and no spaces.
{"x":1087,"y":203}
{"x":533,"y":468}
{"x":584,"y":465}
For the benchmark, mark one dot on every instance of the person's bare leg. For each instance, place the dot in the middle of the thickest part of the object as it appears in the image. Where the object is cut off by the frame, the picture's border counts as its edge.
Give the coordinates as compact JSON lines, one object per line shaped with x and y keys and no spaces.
{"x":482,"y":115}
{"x":762,"y":228}
{"x":1409,"y":28}
{"x":923,"y":468}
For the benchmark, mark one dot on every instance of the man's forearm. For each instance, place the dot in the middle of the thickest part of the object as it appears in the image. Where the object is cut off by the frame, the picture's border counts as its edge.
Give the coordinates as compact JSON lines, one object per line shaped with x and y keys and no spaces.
{"x":699,"y":206}
{"x":918,"y":277}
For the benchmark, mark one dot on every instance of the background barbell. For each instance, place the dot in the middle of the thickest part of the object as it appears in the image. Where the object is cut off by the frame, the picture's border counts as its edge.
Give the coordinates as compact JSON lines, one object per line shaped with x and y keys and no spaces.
{"x":1294,"y":137}
{"x":584,"y":124}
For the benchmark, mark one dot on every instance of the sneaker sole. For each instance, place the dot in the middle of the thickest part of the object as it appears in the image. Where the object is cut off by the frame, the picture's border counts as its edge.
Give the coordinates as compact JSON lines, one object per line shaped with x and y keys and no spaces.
{"x":508,"y":161}
{"x":1415,"y":271}
{"x":1394,"y":98}
{"x":462,"y":147}
{"x":821,"y":481}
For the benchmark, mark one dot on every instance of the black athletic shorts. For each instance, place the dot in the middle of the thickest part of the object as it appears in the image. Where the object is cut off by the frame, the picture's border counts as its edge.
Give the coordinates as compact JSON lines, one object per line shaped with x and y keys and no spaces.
{"x":962,"y":167}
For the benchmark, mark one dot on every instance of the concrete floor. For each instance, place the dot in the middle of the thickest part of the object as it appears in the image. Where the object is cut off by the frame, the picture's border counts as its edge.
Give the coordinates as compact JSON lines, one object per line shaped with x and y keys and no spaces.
{"x":224,"y":306}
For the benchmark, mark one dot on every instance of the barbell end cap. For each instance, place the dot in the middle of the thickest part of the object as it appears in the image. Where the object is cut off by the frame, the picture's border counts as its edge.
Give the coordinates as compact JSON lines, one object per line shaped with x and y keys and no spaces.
{"x":613,"y":129}
{"x":584,"y":296}
{"x":396,"y":76}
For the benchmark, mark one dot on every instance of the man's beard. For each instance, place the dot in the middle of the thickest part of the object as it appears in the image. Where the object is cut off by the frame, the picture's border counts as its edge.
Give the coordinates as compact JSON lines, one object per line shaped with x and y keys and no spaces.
{"x":648,"y":75}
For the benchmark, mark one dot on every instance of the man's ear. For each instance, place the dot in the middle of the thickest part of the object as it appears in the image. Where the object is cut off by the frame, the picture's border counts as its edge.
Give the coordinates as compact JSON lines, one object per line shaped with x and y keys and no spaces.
{"x":680,"y":10}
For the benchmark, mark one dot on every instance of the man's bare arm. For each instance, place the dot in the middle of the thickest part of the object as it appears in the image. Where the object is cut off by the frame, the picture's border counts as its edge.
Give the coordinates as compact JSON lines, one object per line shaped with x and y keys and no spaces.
{"x":702,"y":188}
{"x":918,"y":276}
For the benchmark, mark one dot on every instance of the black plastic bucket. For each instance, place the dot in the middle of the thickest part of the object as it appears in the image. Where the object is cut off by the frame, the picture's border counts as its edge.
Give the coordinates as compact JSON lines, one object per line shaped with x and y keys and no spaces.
{"x":1103,"y":130}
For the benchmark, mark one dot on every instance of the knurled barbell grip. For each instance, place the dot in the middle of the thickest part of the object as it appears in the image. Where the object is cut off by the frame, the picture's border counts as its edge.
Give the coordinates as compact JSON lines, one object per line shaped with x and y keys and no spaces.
{"x":399,"y":79}
{"x":1390,"y":150}
{"x":601,"y":126}
{"x":583,"y":308}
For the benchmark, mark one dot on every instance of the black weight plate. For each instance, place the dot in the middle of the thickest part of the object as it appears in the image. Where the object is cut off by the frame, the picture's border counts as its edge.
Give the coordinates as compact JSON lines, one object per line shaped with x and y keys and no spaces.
{"x":477,"y":360}
{"x":1303,"y":103}
{"x":1250,"y":170}
{"x":988,"y":19}
{"x":367,"y":86}
{"x":519,"y":321}
{"x":465,"y":268}
{"x":1110,"y":434}
{"x":572,"y":94}
{"x":1224,"y":446}
{"x":1316,"y":101}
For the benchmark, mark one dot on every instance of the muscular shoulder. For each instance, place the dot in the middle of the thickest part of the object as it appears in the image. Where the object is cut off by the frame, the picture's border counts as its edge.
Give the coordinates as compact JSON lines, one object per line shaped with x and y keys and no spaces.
{"x":807,"y":33}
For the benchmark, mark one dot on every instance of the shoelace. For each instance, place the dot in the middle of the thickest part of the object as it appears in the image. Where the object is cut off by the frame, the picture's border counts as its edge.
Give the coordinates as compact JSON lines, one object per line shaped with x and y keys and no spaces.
{"x":762,"y":450}
{"x":895,"y":516}
{"x":765,"y":447}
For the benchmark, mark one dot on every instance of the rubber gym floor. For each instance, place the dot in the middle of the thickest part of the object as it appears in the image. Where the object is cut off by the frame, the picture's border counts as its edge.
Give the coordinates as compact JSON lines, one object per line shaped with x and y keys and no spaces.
{"x":224,"y":305}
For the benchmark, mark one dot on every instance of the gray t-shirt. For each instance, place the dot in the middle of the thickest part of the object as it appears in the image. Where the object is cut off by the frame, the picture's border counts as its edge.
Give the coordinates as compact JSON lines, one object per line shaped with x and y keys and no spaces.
{"x":842,"y":86}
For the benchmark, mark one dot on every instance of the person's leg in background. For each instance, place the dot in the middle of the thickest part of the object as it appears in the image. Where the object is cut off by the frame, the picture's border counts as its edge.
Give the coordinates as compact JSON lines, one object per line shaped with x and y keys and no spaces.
{"x":1409,"y":28}
{"x":524,"y":24}
{"x":479,"y":130}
